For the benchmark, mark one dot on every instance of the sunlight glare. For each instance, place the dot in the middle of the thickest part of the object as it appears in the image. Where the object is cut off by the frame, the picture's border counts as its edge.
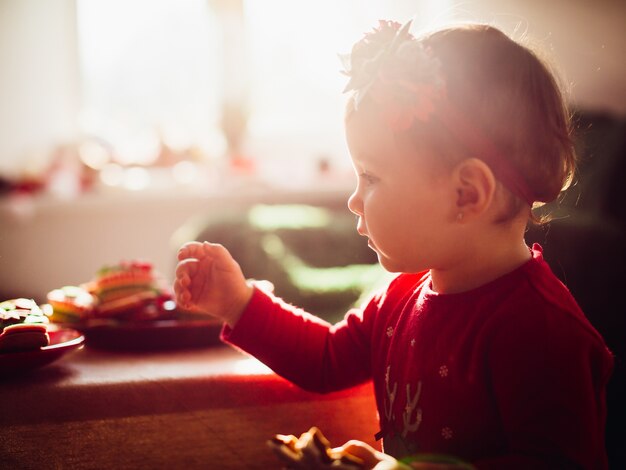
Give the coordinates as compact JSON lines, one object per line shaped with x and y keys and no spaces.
{"x":251,"y":366}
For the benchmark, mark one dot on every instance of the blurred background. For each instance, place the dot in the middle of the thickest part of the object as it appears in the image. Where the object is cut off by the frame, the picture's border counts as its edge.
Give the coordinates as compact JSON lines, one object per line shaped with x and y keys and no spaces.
{"x":124,"y":121}
{"x":128,"y":127}
{"x":125,"y":86}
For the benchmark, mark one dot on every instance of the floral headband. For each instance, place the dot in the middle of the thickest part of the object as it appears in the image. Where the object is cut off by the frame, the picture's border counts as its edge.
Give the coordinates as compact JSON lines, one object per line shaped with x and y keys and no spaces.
{"x":398,"y":72}
{"x":389,"y":64}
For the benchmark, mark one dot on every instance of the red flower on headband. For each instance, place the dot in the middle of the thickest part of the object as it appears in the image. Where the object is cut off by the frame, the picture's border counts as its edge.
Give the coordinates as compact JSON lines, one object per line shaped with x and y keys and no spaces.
{"x":393,"y":68}
{"x":405,"y":102}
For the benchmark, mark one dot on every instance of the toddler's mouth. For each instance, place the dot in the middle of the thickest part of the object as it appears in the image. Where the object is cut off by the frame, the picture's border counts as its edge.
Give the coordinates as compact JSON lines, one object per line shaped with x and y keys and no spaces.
{"x":363,"y":232}
{"x":371,"y":244}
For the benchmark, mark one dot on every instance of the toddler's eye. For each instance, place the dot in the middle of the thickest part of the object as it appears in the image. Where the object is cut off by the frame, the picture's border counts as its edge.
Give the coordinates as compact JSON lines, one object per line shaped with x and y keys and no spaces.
{"x":369,"y":179}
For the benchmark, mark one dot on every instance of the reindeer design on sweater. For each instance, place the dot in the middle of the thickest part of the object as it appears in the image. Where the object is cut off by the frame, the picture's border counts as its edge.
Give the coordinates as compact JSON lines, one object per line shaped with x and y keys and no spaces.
{"x":411,"y":414}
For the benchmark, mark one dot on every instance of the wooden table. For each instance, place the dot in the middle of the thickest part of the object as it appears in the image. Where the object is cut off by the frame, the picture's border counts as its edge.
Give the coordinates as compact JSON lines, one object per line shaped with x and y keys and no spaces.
{"x":206,"y":408}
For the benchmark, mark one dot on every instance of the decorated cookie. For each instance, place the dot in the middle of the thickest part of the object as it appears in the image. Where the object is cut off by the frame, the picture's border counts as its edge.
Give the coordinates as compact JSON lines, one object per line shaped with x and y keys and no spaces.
{"x":71,"y":304}
{"x":130,"y":290}
{"x":23,"y":326}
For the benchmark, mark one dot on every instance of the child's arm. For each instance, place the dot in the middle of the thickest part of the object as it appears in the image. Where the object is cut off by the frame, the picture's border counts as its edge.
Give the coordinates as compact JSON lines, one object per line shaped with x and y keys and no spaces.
{"x":297,"y":345}
{"x":208,"y":280}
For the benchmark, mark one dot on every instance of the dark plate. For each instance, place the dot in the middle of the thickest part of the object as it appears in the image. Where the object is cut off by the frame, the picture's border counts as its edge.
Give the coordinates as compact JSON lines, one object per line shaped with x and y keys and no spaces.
{"x":62,"y":341}
{"x":152,"y":334}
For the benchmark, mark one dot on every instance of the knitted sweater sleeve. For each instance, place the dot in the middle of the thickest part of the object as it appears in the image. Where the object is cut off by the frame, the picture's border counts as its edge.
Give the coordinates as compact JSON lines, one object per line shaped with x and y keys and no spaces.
{"x":303,"y":348}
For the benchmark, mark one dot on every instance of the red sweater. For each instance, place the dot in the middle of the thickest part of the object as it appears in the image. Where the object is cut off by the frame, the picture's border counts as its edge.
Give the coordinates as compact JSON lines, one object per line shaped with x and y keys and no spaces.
{"x":508,"y":375}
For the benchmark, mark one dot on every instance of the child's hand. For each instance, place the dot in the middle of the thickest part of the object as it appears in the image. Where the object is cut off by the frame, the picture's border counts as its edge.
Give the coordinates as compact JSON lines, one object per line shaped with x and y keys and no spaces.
{"x":312,"y":451}
{"x":370,"y":457}
{"x":208,"y":280}
{"x":376,"y":460}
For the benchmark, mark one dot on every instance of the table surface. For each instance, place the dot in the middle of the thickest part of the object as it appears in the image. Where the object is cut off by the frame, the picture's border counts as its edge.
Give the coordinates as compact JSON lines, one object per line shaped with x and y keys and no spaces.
{"x":209,"y":407}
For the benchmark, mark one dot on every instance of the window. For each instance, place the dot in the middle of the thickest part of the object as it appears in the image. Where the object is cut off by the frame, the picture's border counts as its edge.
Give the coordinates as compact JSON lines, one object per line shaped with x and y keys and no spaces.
{"x":148,"y":72}
{"x":157,"y":71}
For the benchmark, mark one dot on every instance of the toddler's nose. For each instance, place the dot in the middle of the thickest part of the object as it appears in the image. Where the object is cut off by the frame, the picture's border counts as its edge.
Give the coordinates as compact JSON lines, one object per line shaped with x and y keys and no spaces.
{"x":355,"y":204}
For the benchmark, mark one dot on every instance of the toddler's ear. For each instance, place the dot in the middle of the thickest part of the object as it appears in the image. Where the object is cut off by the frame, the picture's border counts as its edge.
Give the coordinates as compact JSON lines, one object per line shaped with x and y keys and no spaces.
{"x":475,"y":186}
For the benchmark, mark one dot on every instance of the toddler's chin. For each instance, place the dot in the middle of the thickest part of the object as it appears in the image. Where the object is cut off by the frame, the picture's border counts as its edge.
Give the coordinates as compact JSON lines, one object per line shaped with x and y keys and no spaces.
{"x":388,"y":264}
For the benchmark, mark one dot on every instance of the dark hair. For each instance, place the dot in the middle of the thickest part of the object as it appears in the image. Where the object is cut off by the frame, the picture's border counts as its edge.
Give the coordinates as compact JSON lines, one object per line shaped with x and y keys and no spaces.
{"x":514,"y":98}
{"x":511,"y":96}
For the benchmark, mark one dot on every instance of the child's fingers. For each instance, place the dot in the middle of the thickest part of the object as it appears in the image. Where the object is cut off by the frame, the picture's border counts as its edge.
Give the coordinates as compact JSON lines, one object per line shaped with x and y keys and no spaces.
{"x":190,"y":250}
{"x":183,"y":297}
{"x":181,"y":277}
{"x":198,"y":250}
{"x":213,"y":249}
{"x":220,"y":256}
{"x":181,"y":294}
{"x":185,"y":250}
{"x":186,"y":269}
{"x":367,"y":454}
{"x":182,"y":281}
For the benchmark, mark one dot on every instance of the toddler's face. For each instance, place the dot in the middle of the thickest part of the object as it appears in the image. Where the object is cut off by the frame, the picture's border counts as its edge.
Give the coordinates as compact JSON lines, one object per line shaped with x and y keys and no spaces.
{"x":402,"y":207}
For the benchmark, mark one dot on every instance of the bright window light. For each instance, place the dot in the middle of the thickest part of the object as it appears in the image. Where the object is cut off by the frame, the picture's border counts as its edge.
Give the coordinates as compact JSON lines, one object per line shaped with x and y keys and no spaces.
{"x":148,"y":70}
{"x":158,"y":71}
